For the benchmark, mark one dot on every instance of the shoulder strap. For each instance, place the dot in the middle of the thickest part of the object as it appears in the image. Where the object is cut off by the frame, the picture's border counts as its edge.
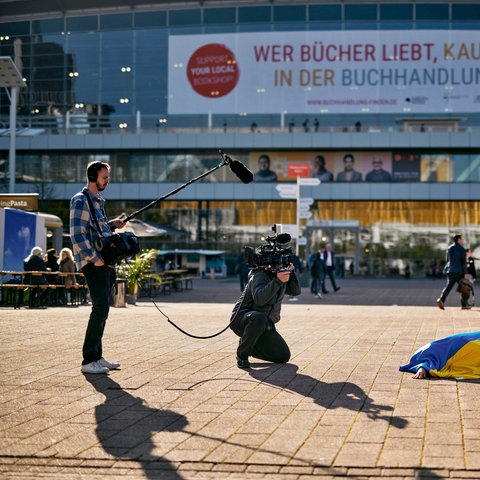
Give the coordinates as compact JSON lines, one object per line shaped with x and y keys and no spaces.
{"x":92,"y":211}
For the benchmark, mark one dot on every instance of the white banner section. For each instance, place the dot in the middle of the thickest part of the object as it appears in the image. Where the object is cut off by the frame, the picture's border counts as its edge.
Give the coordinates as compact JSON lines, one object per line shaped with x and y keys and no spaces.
{"x":416,"y":71}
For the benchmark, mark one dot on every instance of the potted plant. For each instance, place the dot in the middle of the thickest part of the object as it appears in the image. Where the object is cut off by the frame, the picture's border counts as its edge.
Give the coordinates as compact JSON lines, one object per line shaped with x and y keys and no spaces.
{"x":135,"y":271}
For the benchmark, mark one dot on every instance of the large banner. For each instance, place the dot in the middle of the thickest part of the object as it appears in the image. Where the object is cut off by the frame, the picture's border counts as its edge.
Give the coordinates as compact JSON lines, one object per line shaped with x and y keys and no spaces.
{"x":19,"y":233}
{"x":417,"y":71}
{"x":353,"y":166}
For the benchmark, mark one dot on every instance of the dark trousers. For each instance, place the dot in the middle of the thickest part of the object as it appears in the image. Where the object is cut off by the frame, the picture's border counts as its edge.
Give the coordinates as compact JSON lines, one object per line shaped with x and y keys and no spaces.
{"x":100,"y":281}
{"x":331,"y":275}
{"x":260,"y":339}
{"x":243,"y":279}
{"x":452,"y":280}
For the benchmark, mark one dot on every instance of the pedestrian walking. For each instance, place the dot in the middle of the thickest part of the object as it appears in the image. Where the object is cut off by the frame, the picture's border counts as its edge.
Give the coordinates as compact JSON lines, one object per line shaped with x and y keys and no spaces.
{"x":329,"y":258}
{"x":455,"y":270}
{"x":316,"y":272}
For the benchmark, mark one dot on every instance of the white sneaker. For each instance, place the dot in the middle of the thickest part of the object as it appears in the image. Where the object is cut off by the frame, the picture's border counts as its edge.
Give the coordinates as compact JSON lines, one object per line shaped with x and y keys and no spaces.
{"x":293,"y":299}
{"x":110,"y":365}
{"x":94,"y":367}
{"x":318,"y":295}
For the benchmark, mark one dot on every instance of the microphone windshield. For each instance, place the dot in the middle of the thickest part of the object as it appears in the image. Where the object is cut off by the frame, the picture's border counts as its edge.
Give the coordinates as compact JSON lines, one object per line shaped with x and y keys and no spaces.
{"x":283,"y":238}
{"x":241,"y":171}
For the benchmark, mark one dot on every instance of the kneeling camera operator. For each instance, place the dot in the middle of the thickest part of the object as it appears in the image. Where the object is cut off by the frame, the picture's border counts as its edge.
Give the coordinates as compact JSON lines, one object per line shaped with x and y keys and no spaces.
{"x":257,"y":310}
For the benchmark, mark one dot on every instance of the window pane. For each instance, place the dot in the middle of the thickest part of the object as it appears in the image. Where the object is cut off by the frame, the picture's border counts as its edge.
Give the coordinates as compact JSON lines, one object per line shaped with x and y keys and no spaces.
{"x":219,"y":15}
{"x":360,"y":12}
{"x":325,"y":13}
{"x":108,"y":22}
{"x":432,"y":11}
{"x":184,"y":17}
{"x":15,"y":28}
{"x":51,"y":80}
{"x":85,"y":48}
{"x":78,"y":24}
{"x":400,"y":11}
{"x":464,"y":11}
{"x":289,"y":14}
{"x":253,"y":14}
{"x":151,"y":19}
{"x":117,"y":85}
{"x":52,"y":25}
{"x":151,"y":71}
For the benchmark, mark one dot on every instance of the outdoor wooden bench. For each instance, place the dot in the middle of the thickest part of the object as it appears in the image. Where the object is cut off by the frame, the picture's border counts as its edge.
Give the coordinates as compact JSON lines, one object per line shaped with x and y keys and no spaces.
{"x":187,"y":282}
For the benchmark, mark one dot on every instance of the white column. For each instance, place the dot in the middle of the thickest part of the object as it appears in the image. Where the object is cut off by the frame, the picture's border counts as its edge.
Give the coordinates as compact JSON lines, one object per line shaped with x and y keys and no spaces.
{"x":13,"y":134}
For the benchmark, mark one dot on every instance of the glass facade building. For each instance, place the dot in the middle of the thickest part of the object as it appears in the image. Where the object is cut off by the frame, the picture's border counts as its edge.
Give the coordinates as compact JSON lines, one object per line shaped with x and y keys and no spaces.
{"x":100,"y":87}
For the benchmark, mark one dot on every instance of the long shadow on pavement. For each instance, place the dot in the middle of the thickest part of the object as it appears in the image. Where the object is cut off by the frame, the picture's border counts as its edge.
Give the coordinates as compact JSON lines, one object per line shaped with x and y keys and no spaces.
{"x":125,"y":425}
{"x":329,"y":395}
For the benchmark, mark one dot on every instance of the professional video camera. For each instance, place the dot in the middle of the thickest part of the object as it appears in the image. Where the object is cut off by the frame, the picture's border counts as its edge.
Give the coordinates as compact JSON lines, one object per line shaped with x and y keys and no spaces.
{"x":272,"y":256}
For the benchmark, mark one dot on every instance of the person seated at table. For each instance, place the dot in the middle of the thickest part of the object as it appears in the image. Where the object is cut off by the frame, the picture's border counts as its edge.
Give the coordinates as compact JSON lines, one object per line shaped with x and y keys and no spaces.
{"x":67,"y":265}
{"x":51,"y":262}
{"x":456,"y":356}
{"x":35,"y":263}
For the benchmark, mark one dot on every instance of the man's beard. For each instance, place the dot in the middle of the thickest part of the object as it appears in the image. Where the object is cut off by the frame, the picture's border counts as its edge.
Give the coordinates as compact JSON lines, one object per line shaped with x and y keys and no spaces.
{"x":100,"y":187}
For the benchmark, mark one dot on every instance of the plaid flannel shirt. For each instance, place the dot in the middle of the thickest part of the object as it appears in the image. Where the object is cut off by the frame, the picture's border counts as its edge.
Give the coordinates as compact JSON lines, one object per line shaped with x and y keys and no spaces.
{"x":83,"y":229}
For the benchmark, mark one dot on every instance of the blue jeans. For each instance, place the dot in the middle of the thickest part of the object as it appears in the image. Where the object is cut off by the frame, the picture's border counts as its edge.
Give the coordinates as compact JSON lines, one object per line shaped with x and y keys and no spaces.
{"x":100,"y":281}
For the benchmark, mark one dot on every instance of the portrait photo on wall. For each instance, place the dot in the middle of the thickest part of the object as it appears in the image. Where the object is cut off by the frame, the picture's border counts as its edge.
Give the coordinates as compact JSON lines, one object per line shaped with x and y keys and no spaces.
{"x":362,"y":166}
{"x":271,"y":166}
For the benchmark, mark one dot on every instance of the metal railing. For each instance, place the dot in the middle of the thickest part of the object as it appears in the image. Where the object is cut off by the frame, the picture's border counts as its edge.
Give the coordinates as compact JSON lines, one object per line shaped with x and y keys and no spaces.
{"x":82,"y":124}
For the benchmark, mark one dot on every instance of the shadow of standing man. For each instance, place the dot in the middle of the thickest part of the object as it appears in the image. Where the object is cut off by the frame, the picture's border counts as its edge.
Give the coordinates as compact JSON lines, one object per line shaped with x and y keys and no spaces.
{"x":125,"y":425}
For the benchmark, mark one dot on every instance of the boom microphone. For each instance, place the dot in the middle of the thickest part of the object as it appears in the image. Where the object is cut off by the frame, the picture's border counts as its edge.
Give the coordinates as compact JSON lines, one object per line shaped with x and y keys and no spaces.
{"x":241,"y":171}
{"x":238,"y":168}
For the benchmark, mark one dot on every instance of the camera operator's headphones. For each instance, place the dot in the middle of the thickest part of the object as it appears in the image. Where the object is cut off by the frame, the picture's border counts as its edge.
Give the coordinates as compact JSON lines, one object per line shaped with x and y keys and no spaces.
{"x":93,"y":169}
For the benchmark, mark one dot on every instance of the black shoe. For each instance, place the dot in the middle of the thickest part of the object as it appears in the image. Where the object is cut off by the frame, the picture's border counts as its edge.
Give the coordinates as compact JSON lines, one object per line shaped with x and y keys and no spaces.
{"x":243,"y":363}
{"x":324,"y":291}
{"x":466,"y":307}
{"x":337,"y":289}
{"x":440,"y":304}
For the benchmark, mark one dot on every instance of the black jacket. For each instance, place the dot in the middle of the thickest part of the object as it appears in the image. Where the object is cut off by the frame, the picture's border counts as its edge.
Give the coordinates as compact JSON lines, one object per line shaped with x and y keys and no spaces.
{"x":456,"y":260}
{"x":264,"y":293}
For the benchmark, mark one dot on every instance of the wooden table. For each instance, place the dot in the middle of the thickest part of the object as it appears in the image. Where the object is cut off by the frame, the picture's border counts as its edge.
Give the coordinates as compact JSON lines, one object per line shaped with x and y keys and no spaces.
{"x":16,"y":291}
{"x":179,"y":280}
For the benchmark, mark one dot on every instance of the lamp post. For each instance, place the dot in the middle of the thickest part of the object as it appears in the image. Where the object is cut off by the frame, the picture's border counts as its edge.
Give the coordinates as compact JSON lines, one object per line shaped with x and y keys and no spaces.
{"x":10,"y":77}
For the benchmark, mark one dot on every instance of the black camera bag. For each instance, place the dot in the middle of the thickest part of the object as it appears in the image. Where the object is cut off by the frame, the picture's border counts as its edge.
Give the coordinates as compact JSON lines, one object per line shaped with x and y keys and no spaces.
{"x":116,"y":247}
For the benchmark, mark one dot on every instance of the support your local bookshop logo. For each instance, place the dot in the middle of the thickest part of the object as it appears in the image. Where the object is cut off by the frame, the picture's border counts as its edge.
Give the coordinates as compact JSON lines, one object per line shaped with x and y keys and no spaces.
{"x":213,"y":70}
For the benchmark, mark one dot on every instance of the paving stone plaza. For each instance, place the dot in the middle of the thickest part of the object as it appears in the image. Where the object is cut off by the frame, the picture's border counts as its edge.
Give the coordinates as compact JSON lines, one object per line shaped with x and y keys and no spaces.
{"x":179,"y":408}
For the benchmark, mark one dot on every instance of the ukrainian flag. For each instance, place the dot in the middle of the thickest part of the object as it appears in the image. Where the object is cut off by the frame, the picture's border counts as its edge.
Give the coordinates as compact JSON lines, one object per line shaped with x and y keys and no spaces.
{"x":456,"y":356}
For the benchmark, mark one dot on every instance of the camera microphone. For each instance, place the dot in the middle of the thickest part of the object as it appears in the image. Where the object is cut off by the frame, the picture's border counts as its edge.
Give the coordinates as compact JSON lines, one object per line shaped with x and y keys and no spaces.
{"x":238,"y":168}
{"x":283,"y":238}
